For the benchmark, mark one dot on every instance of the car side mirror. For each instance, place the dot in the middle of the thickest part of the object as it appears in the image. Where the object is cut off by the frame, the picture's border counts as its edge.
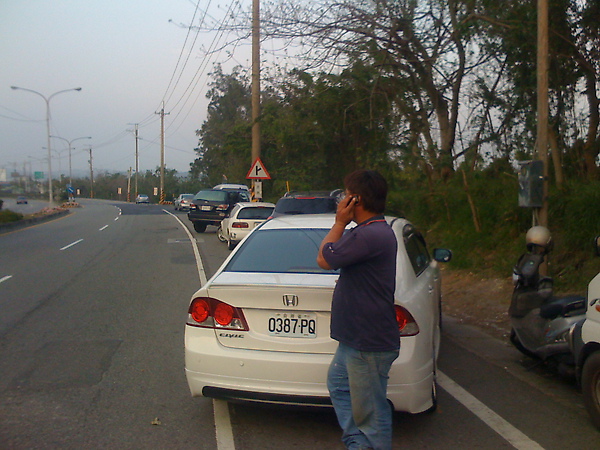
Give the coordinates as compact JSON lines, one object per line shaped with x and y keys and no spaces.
{"x":442,"y":255}
{"x":597,"y":245}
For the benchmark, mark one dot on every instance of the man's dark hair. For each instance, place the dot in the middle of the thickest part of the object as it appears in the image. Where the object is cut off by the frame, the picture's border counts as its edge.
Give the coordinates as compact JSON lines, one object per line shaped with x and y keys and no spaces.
{"x":370,"y":186}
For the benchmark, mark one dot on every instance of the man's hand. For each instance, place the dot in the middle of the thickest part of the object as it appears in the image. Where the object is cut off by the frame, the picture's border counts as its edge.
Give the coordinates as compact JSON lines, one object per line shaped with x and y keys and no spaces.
{"x":345,"y":210}
{"x":343,"y":216}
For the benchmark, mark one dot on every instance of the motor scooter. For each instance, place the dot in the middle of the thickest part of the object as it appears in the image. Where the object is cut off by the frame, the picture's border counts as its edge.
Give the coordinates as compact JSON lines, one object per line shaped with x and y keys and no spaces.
{"x":541,"y":322}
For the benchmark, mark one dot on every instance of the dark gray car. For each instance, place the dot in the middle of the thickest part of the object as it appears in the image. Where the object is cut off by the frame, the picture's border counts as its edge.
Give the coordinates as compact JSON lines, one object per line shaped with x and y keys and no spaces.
{"x":209,"y":207}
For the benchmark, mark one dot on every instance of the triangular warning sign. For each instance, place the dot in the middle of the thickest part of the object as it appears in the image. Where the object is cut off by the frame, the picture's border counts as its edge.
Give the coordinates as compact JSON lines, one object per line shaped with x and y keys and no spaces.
{"x":258,"y":171}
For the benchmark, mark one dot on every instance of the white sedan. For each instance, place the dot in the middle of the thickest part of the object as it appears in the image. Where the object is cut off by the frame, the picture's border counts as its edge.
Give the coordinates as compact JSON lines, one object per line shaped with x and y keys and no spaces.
{"x":242,"y":219}
{"x":258,"y":330}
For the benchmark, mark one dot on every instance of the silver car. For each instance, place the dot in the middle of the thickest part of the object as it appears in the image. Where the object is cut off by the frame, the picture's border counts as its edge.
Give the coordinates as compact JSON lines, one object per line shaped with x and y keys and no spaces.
{"x":182,"y":202}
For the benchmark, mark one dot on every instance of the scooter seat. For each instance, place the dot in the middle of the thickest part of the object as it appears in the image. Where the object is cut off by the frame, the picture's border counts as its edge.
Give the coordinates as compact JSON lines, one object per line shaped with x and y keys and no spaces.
{"x":562,"y":306}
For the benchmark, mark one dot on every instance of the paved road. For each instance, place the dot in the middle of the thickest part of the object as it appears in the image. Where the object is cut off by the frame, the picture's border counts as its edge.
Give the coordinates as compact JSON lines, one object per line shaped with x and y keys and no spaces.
{"x":92,"y":308}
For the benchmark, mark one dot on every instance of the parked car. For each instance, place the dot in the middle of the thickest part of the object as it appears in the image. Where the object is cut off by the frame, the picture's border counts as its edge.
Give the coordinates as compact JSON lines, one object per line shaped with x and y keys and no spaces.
{"x":242,"y":219}
{"x":258,"y":330}
{"x":308,"y":203}
{"x":21,"y":200}
{"x":142,"y":198}
{"x":209,"y":207}
{"x":585,"y":342}
{"x":183,"y":201}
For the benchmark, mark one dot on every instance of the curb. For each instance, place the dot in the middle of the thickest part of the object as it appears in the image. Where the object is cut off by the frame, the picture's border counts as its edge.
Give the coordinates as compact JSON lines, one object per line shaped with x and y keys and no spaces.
{"x":24,"y":223}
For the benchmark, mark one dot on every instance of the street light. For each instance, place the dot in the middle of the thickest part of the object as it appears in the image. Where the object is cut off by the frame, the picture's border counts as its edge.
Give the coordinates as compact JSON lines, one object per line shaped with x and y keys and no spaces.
{"x":70,"y":142}
{"x":47,"y":100}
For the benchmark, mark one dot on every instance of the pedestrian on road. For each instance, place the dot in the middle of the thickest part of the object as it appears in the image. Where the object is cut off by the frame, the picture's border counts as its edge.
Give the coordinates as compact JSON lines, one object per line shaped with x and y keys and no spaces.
{"x":363,"y":319}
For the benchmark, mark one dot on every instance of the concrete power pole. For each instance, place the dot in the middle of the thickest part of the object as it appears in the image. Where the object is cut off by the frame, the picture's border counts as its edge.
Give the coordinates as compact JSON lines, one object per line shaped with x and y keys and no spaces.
{"x":542,"y":104}
{"x":162,"y":153}
{"x":136,"y":160}
{"x":91,"y":175}
{"x":255,"y":83}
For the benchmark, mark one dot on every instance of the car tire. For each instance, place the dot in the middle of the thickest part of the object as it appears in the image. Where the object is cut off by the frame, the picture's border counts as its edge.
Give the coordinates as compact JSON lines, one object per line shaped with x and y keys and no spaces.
{"x":590,"y":387}
{"x":200,"y":227}
{"x":220,"y":234}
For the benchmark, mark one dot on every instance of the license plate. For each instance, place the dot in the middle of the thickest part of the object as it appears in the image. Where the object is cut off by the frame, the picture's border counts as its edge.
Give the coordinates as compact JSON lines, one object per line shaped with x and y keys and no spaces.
{"x":206,"y":208}
{"x":295,"y":325}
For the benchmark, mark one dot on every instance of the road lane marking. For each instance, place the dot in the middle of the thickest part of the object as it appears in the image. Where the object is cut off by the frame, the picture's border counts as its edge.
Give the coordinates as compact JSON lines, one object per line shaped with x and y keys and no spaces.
{"x":103,"y":228}
{"x":201,"y":271}
{"x":7,"y":277}
{"x":511,"y":434}
{"x":223,"y":428}
{"x":71,"y":244}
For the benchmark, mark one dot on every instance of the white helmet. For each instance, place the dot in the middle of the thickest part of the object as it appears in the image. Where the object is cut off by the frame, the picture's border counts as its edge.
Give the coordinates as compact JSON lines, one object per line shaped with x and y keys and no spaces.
{"x":540,"y":236}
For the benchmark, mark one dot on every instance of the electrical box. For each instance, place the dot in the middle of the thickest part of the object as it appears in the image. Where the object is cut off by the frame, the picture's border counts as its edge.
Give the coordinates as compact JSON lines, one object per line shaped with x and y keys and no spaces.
{"x":531,"y":184}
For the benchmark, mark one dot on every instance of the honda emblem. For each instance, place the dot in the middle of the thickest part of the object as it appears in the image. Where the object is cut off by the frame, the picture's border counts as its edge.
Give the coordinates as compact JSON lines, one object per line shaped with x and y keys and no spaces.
{"x":290,"y":300}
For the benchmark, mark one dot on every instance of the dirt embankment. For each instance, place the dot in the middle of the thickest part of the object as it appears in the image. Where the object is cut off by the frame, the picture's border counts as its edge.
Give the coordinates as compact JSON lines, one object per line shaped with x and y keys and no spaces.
{"x":478,"y":301}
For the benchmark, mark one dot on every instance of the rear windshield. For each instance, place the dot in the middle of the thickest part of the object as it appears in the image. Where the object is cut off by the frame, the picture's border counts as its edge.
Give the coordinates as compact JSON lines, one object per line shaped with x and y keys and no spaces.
{"x":212,"y":196}
{"x":260,"y":212}
{"x":315,"y":205}
{"x":280,"y":251}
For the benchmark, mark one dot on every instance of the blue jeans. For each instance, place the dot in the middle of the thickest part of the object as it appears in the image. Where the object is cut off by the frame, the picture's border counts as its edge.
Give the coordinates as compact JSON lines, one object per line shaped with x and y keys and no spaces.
{"x":357,"y":383}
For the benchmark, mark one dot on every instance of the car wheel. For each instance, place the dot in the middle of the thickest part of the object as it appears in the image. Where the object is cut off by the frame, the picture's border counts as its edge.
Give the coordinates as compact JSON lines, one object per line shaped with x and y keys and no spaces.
{"x":220,"y":234}
{"x":230,"y":245}
{"x":200,"y":227}
{"x":590,"y":387}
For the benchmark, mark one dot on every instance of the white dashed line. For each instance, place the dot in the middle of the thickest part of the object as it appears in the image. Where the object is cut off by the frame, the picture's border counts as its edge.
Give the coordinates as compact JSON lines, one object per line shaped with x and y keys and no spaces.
{"x":517,"y":438}
{"x":103,"y":228}
{"x":71,"y":244}
{"x":7,"y":277}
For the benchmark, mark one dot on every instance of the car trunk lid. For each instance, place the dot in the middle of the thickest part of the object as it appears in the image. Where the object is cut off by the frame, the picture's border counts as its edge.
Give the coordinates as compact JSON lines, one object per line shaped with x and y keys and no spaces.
{"x":285,"y":312}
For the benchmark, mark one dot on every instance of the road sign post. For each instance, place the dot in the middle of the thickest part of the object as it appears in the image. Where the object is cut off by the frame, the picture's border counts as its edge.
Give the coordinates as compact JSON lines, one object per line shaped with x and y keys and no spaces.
{"x":257,"y":173}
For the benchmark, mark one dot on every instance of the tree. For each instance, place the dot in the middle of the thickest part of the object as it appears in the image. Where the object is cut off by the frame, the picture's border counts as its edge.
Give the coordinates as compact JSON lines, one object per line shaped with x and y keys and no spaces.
{"x":225,"y":139}
{"x":428,"y":47}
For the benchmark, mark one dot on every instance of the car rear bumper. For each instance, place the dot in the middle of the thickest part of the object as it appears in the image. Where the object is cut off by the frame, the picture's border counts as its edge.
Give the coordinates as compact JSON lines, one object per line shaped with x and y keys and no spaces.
{"x":246,"y":375}
{"x":210,"y":219}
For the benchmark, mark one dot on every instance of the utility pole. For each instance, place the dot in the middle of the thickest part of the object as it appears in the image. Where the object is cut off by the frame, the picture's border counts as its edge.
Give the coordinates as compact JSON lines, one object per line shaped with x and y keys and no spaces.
{"x":91,"y":175}
{"x":255,"y":84}
{"x":162,"y":153}
{"x":136,"y":160}
{"x":542,"y":112}
{"x":129,"y":185}
{"x":542,"y":103}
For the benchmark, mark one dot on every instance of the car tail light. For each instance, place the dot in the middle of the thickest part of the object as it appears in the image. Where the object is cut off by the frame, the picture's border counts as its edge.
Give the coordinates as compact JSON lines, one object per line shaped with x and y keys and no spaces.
{"x":240,"y":225}
{"x":406,"y":322}
{"x":222,"y":207}
{"x":207,"y":312}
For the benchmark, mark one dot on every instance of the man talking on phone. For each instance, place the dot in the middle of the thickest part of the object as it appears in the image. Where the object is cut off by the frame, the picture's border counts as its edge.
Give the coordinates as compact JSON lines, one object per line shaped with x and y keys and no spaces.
{"x":363,"y":319}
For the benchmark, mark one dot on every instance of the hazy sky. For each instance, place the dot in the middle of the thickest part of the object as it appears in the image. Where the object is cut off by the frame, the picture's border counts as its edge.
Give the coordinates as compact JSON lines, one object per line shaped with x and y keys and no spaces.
{"x":124,"y":55}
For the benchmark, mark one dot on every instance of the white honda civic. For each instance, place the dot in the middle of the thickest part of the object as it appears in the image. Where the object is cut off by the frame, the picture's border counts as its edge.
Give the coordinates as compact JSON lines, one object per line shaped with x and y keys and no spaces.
{"x":258,"y":330}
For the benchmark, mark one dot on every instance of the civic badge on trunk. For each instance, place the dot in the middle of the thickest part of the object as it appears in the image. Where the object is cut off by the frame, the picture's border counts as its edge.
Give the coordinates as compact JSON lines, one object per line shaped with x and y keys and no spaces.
{"x":290,"y":300}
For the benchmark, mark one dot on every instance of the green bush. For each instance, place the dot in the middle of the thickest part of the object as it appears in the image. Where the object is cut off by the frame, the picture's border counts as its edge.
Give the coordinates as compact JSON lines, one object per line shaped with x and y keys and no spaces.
{"x":443,"y":213}
{"x":7,"y":216}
